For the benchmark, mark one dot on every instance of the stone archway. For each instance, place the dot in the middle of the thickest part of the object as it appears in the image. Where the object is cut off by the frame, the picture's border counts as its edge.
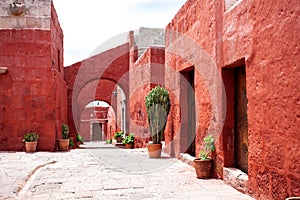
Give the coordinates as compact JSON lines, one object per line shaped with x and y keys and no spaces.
{"x":102,"y":72}
{"x":94,"y":121}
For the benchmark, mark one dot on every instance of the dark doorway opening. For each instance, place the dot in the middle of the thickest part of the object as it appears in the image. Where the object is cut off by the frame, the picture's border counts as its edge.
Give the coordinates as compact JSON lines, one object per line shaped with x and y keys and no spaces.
{"x":235,"y":130}
{"x":240,"y":119}
{"x":97,"y":131}
{"x":188,"y":111}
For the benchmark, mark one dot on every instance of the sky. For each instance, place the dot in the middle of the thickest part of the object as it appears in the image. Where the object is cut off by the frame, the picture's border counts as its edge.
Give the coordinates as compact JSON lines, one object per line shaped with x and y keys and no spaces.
{"x":87,"y":24}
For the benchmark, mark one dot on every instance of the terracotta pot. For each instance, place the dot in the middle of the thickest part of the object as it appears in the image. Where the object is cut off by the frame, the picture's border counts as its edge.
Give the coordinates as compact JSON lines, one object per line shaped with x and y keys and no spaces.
{"x":203,"y":167}
{"x":129,"y":146}
{"x":30,"y":147}
{"x":119,"y":139}
{"x":154,"y":150}
{"x":63,"y":144}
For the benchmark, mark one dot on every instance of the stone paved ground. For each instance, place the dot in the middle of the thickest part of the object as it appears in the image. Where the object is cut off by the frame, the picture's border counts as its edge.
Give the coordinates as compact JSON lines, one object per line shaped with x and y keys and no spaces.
{"x":100,"y":171}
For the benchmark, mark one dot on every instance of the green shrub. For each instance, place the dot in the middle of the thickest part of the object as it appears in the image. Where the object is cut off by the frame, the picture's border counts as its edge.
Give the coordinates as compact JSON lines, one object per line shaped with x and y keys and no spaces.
{"x":119,"y":134}
{"x":129,"y":139}
{"x":158,"y":108}
{"x":79,"y":138}
{"x":108,"y":141}
{"x":209,"y":146}
{"x":65,"y":131}
{"x":71,"y":143}
{"x":30,"y":137}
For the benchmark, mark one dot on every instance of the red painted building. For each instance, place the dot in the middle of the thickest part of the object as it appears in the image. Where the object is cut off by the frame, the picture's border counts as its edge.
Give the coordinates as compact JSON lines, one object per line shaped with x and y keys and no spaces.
{"x":102,"y":77}
{"x":231,"y":68}
{"x":241,"y":61}
{"x":32,"y":90}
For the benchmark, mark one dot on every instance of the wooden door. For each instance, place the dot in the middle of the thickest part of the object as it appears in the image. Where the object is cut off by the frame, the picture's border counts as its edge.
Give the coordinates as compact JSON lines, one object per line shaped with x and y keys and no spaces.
{"x":97,"y":131}
{"x":191,"y":113}
{"x":241,"y":121}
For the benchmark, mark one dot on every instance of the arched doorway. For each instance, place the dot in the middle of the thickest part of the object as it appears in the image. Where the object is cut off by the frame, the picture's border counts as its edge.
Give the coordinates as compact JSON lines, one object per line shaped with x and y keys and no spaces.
{"x":94,"y":121}
{"x":103,"y":110}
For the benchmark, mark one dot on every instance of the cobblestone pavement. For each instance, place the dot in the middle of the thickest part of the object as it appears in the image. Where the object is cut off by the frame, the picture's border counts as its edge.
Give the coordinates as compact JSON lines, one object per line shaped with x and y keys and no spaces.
{"x":100,"y":171}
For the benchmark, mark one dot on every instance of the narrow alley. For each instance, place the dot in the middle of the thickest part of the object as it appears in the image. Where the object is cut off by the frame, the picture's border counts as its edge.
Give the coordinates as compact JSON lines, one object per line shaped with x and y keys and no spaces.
{"x":100,"y":171}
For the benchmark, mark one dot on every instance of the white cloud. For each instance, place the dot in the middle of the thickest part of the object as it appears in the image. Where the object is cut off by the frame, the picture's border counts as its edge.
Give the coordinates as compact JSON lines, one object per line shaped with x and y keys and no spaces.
{"x":89,"y":23}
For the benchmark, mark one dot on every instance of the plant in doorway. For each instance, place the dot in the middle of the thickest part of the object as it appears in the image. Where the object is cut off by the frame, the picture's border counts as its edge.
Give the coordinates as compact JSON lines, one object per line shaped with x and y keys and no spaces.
{"x":129,"y":141}
{"x":203,"y":163}
{"x":30,"y":140}
{"x":63,"y":144}
{"x":158,"y":108}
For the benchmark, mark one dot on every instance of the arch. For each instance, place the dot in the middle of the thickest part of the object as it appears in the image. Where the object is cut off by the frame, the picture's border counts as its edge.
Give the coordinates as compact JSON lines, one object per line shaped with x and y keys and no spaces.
{"x":111,"y":65}
{"x":96,"y":90}
{"x":97,"y":103}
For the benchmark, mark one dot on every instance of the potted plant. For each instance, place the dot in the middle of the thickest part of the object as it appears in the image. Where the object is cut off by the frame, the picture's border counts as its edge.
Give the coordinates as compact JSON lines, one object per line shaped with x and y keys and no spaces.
{"x":79,"y":139}
{"x":72,"y":143}
{"x":30,"y":140}
{"x":108,"y":141}
{"x":119,"y":136}
{"x":203,"y":163}
{"x":129,"y":141}
{"x":63,"y":144}
{"x":158,"y":107}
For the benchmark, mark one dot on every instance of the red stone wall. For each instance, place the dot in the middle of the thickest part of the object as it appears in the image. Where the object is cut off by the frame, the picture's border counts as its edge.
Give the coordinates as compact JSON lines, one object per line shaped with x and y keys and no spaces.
{"x":96,"y":90}
{"x":274,"y":101}
{"x":264,"y":36}
{"x":33,"y":90}
{"x":146,"y":73}
{"x":57,"y":60}
{"x":198,"y":33}
{"x":111,"y":124}
{"x":94,"y":79}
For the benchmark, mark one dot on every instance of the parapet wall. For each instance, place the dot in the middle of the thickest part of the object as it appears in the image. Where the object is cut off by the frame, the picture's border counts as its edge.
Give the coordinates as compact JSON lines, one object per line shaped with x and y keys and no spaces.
{"x":146,"y":37}
{"x":25,"y":14}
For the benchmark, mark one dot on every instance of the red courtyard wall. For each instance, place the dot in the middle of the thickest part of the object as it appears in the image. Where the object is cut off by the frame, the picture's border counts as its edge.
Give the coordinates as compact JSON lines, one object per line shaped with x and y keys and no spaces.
{"x":94,"y":79}
{"x":33,"y":91}
{"x":145,"y":73}
{"x":263,"y":35}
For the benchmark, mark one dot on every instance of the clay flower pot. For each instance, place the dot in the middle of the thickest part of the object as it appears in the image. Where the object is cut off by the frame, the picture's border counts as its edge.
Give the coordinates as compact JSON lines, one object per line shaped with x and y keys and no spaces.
{"x":129,"y":145}
{"x":30,"y":147}
{"x":203,"y":167}
{"x":30,"y":138}
{"x":154,"y":150}
{"x":119,"y":139}
{"x":63,"y":144}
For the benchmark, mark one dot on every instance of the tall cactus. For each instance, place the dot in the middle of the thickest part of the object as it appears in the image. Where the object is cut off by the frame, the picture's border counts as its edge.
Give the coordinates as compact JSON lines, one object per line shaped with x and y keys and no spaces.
{"x":158,"y":108}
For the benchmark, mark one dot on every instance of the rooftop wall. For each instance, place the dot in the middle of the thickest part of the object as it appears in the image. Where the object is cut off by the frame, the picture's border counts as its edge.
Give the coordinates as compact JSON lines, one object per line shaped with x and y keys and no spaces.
{"x":35,"y":15}
{"x":146,"y":37}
